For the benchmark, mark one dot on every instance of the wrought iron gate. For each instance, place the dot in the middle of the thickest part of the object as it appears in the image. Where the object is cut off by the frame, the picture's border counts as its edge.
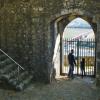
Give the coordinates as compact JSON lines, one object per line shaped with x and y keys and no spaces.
{"x":82,"y":49}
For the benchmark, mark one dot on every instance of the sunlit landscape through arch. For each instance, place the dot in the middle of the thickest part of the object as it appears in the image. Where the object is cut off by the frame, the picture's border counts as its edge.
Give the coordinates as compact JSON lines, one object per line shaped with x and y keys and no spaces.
{"x":79,"y":36}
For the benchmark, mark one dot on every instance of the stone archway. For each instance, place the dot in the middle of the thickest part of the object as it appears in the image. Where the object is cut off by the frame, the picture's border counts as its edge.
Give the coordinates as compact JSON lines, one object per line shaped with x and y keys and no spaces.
{"x":59,"y":24}
{"x":28,"y":21}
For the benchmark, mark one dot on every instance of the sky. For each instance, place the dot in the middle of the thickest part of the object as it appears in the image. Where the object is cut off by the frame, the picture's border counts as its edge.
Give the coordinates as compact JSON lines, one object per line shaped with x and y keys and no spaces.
{"x":78,"y":28}
{"x":79,"y":23}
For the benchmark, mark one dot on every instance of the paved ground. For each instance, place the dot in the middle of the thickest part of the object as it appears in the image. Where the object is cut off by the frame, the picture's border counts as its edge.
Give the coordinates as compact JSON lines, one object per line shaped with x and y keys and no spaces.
{"x":62,"y":89}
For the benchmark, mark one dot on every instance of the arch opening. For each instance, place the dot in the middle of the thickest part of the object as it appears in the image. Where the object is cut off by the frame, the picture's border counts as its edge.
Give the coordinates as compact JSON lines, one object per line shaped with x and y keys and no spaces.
{"x":59,"y":26}
{"x":79,"y":36}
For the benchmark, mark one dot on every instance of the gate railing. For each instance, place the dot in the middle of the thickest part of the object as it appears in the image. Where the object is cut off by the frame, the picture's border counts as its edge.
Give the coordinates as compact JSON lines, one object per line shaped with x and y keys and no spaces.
{"x":82,"y":49}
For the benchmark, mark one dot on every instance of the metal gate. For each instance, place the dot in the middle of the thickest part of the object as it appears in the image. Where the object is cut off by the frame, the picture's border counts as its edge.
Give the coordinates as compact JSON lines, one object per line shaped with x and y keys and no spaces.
{"x":82,"y":49}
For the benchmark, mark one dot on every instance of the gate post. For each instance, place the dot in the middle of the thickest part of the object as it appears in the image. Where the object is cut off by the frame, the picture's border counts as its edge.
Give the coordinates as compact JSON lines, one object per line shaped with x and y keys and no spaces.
{"x":77,"y":57}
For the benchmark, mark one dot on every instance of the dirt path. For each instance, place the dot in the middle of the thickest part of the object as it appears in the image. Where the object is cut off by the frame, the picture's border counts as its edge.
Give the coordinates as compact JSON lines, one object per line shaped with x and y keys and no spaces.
{"x":62,"y":89}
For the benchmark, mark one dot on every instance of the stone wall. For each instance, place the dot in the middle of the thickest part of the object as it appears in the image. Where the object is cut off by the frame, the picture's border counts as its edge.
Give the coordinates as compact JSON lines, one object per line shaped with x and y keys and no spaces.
{"x":98,"y":53}
{"x":26,"y":33}
{"x":22,"y":35}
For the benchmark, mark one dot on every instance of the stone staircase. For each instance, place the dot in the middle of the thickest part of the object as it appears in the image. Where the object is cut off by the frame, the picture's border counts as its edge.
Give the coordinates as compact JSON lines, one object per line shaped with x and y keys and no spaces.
{"x":9,"y":74}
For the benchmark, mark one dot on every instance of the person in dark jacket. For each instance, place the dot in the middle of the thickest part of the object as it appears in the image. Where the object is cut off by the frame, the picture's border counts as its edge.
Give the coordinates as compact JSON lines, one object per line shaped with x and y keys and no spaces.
{"x":82,"y":66}
{"x":71,"y":60}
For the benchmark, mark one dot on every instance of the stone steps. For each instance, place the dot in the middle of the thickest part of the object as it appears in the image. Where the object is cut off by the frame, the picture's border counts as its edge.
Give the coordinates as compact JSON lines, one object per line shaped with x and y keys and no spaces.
{"x":20,"y":78}
{"x":7,"y":68}
{"x":9,"y":74}
{"x":24,"y":83}
{"x":2,"y":57}
{"x":5,"y":62}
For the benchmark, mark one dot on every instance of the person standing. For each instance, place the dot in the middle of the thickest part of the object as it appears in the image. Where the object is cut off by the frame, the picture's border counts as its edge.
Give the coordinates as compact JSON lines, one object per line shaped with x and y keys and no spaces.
{"x":71,"y":61}
{"x":82,"y":66}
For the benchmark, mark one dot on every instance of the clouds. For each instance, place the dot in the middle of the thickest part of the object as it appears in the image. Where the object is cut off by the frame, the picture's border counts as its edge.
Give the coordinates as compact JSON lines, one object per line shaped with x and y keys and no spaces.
{"x":79,"y":23}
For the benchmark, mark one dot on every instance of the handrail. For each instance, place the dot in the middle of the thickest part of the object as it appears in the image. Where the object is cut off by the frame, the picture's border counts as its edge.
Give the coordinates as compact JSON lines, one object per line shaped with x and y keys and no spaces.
{"x":12,"y":59}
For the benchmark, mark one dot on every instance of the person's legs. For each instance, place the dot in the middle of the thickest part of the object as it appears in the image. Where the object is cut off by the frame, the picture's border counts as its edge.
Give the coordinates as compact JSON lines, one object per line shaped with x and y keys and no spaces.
{"x":72,"y":69}
{"x":82,"y":73}
{"x":69,"y":73}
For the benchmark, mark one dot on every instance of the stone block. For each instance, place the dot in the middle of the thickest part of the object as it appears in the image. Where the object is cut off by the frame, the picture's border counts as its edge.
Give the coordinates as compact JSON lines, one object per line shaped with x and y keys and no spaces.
{"x":98,"y":82}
